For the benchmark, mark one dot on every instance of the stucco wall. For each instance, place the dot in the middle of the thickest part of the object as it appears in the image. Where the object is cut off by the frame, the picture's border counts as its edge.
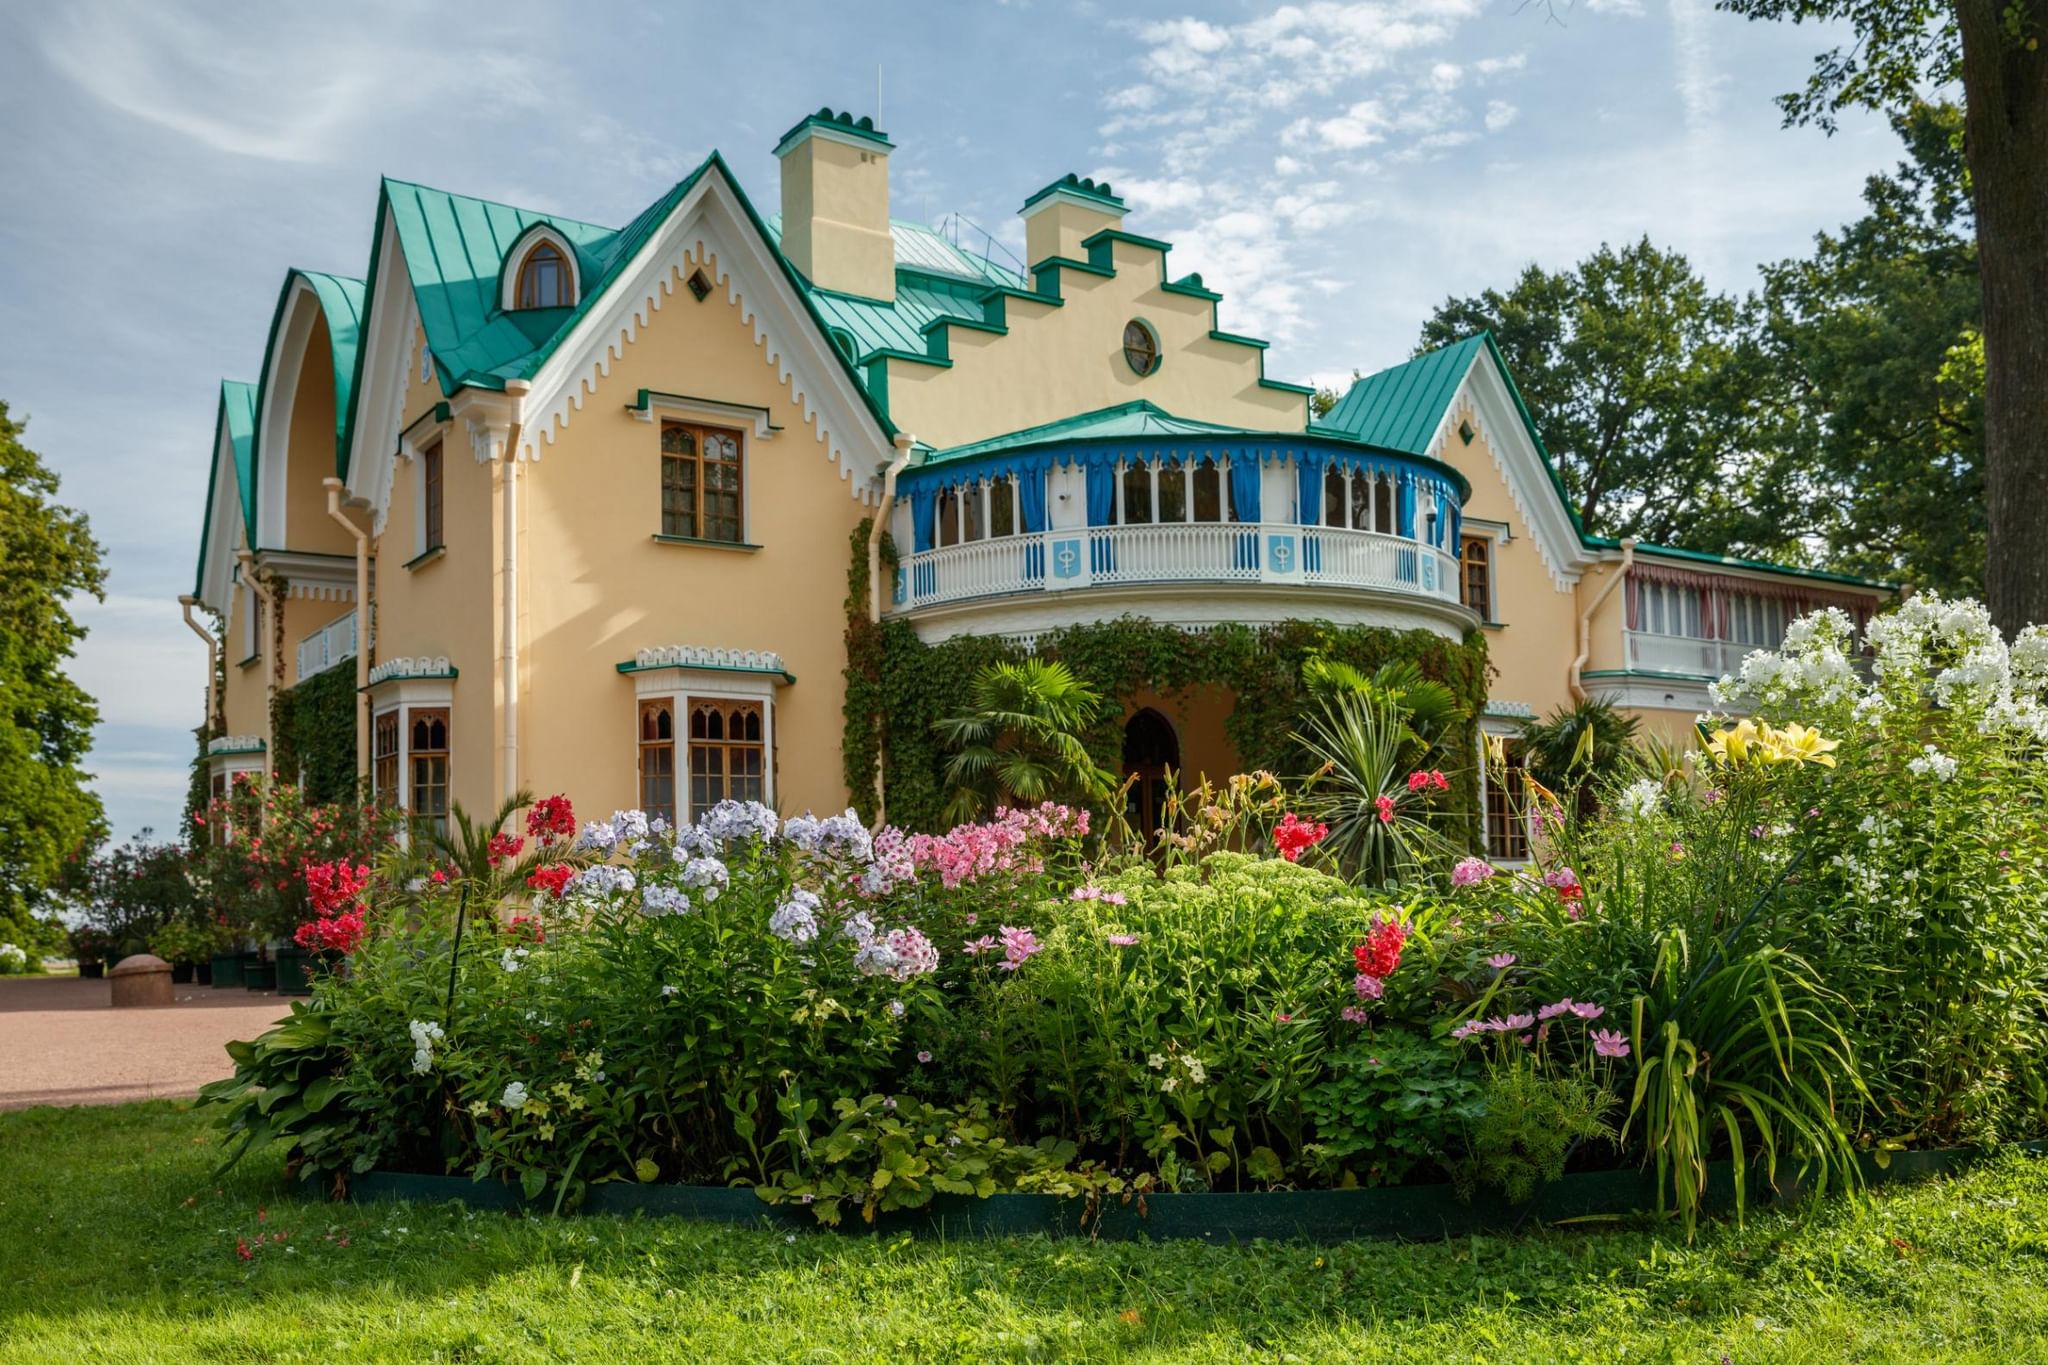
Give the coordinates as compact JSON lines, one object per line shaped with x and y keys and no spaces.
{"x":310,"y":457}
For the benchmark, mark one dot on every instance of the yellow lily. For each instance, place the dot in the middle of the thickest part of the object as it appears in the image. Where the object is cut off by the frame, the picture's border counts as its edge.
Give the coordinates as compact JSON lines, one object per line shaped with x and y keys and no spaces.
{"x":1801,"y":744}
{"x":1732,"y":747}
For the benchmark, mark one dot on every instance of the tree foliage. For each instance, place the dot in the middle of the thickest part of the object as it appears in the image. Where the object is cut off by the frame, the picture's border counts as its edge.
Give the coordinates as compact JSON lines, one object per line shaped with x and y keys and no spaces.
{"x":47,"y":555}
{"x":1021,"y":741}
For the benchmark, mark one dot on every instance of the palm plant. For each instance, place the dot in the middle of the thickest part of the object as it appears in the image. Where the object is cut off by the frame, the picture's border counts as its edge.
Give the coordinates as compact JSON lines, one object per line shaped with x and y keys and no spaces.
{"x":1358,"y":739}
{"x":1580,"y":746}
{"x":1022,"y":740}
{"x":1427,"y":709}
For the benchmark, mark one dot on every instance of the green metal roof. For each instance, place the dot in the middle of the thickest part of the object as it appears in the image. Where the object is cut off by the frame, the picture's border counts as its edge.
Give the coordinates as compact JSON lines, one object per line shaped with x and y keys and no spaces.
{"x":1732,"y":561}
{"x":341,"y":308}
{"x":1401,"y":407}
{"x":1098,"y":190}
{"x":1124,"y":421}
{"x":862,"y":127}
{"x":235,"y":418}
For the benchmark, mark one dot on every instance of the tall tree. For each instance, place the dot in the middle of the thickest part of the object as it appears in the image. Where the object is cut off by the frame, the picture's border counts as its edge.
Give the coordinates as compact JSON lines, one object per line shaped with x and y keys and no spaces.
{"x":1639,"y":377}
{"x":47,"y":814}
{"x":1993,"y":49}
{"x":1876,"y":339}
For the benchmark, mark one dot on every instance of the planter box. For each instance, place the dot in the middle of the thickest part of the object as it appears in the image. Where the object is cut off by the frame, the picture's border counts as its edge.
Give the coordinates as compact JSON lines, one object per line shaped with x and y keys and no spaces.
{"x":294,"y":967}
{"x":93,"y":970}
{"x":202,"y":973}
{"x":1410,"y":1212}
{"x":259,"y":976}
{"x":227,"y":970}
{"x":181,"y":973}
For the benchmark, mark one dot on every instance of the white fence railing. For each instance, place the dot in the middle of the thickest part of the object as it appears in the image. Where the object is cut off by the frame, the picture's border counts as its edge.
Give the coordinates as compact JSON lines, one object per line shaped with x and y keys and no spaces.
{"x":327,"y":646}
{"x":1649,"y":651}
{"x":1198,"y":552}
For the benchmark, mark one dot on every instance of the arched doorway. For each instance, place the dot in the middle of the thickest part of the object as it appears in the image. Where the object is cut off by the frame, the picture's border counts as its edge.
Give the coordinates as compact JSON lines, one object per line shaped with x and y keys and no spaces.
{"x":1150,"y":750}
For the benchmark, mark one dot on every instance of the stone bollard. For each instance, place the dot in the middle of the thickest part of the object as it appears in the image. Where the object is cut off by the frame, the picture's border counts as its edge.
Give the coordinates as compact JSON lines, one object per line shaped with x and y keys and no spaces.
{"x":141,"y":980}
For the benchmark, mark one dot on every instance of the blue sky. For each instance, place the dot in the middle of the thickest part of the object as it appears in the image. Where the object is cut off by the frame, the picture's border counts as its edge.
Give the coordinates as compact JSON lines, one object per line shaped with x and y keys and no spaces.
{"x":1334,"y":168}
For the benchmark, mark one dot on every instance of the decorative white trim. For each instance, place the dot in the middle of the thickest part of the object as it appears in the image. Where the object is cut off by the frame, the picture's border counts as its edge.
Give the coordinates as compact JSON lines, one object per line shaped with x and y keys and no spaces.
{"x":1484,"y":400}
{"x":411,"y":666}
{"x":1077,"y":200}
{"x":707,"y":410}
{"x":702,"y":656}
{"x":234,"y":744}
{"x":224,"y":532}
{"x":709,"y":230}
{"x":274,"y":409}
{"x":1189,"y":607}
{"x":313,"y":577}
{"x":514,"y":261}
{"x":402,"y":700}
{"x":1656,"y":694}
{"x":391,"y":327}
{"x":1509,"y":710}
{"x":825,"y":132}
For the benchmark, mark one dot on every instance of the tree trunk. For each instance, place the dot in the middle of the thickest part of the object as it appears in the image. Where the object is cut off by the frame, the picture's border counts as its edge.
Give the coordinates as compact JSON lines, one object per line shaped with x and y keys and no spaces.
{"x":2005,"y":140}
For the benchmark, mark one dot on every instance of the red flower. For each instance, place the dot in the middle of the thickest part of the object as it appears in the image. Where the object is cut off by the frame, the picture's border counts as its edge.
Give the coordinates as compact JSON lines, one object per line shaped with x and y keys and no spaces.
{"x":1292,"y":838}
{"x":551,"y":878}
{"x":551,"y":818}
{"x":501,"y":847}
{"x":1380,"y":954}
{"x":1385,"y":805}
{"x":242,"y":1249}
{"x":526,"y":927}
{"x":439,"y":876}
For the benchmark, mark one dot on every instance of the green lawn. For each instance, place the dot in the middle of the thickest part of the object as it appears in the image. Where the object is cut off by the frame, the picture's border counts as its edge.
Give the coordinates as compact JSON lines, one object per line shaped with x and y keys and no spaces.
{"x":115,"y":1246}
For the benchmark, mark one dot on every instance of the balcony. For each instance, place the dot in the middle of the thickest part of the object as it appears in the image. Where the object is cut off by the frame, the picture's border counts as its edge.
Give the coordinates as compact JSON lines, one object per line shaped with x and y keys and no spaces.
{"x":1653,"y":652}
{"x":1048,"y":563}
{"x":333,"y":643}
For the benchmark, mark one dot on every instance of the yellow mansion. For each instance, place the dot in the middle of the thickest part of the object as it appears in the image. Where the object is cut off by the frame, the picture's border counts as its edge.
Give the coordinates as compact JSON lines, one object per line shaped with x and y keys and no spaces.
{"x":575,"y":504}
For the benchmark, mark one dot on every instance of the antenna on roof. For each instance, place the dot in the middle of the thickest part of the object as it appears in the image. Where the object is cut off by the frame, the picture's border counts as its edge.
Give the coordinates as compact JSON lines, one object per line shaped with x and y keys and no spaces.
{"x":878,"y":96}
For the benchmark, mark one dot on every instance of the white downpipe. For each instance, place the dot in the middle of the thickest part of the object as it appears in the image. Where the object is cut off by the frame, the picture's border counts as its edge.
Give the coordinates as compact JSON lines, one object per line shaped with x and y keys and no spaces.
{"x":1628,"y":557}
{"x":334,"y":489}
{"x":187,"y":601}
{"x":270,"y":666}
{"x":876,"y":529}
{"x":515,"y":390}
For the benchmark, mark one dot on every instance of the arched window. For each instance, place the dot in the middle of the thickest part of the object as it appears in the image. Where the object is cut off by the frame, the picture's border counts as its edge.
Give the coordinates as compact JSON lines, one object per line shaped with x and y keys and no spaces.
{"x":544,"y":280}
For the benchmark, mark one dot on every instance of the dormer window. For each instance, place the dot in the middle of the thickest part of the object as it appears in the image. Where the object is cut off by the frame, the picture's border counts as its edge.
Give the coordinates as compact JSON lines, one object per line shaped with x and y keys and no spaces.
{"x":544,"y":280}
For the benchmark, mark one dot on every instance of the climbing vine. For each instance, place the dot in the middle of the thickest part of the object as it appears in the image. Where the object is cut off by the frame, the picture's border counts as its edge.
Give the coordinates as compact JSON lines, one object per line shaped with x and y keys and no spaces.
{"x":897,"y":686}
{"x":313,"y":735}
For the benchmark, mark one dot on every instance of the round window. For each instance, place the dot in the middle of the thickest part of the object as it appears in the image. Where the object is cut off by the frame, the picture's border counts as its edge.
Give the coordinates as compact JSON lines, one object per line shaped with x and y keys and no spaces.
{"x":1141,"y":347}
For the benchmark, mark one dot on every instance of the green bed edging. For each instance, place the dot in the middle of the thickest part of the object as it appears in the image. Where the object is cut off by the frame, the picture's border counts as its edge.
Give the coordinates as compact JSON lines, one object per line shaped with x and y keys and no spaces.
{"x":1410,"y":1212}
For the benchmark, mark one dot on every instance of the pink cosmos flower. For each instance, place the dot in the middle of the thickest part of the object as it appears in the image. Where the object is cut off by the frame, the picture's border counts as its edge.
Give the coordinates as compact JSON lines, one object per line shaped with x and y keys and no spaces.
{"x":1500,"y":962}
{"x":1552,"y":1011}
{"x":1018,"y":946}
{"x":1467,"y":1029}
{"x":1609,"y":1043}
{"x":974,"y":947}
{"x":1517,"y":1021}
{"x":1122,"y":940}
{"x":1586,"y":1011}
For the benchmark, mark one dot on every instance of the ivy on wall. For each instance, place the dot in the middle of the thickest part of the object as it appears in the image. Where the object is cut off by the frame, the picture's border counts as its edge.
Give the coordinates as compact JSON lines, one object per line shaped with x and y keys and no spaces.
{"x":897,"y":686}
{"x":313,"y":735}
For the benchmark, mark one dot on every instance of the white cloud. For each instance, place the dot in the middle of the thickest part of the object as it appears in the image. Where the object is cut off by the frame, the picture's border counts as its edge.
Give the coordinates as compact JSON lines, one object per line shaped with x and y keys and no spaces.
{"x":1287,"y":165}
{"x":1499,"y":114}
{"x":1362,"y":124}
{"x":1158,"y":196}
{"x":1446,"y":75}
{"x":1632,"y":9}
{"x":1496,"y":66}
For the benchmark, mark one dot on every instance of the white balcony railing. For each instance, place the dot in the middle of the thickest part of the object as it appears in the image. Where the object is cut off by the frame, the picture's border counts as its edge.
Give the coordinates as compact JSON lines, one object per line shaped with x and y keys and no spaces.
{"x":1199,"y":552}
{"x":324,"y":648}
{"x":1649,"y":651}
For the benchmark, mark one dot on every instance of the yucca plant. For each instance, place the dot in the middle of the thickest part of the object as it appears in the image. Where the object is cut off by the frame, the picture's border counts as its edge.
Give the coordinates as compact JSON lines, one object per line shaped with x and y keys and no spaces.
{"x":1359,"y":788}
{"x":1022,"y":741}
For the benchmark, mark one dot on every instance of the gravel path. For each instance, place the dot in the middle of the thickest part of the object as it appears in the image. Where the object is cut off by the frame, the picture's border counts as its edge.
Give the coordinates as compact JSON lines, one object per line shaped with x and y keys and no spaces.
{"x":62,"y":1042}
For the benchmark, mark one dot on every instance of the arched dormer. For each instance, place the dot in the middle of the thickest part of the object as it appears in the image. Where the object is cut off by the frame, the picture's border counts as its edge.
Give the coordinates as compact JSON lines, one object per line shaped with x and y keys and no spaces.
{"x":540,"y":271}
{"x":302,"y":404}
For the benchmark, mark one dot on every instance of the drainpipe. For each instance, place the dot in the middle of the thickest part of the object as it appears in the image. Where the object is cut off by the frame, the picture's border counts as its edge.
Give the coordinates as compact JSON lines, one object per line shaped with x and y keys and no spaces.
{"x":515,"y":391}
{"x":187,"y":601}
{"x":268,"y":599}
{"x":334,"y":489}
{"x":904,"y":443}
{"x":1628,"y":557}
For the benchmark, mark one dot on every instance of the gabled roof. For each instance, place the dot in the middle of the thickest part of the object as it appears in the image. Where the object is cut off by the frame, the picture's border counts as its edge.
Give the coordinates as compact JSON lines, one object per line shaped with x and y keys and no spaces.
{"x":455,"y":253}
{"x":235,"y":424}
{"x":341,"y":308}
{"x":1403,"y":406}
{"x":1125,"y":421}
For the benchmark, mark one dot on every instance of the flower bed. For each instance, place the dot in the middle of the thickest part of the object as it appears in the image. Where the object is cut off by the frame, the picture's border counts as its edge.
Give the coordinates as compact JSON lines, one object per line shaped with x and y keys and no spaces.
{"x":1808,"y":946}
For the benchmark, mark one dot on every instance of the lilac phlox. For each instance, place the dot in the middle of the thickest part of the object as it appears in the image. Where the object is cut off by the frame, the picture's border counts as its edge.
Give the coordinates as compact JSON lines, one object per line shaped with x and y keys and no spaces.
{"x":1353,"y":1014}
{"x":858,"y":927}
{"x":1560,"y":878}
{"x":796,"y":919}
{"x":602,"y":879}
{"x":1609,"y":1043}
{"x":1471,"y":872}
{"x":707,"y":877}
{"x":730,"y":820}
{"x":597,"y":837}
{"x":1368,"y":987}
{"x":657,"y":900}
{"x":1018,"y":947}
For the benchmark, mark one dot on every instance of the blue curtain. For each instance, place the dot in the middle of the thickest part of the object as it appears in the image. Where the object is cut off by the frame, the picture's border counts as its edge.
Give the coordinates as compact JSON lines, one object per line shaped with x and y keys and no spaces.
{"x":1457,"y":541}
{"x":1031,"y":498}
{"x":1101,"y":493}
{"x":1405,"y":507}
{"x":1308,"y":488}
{"x":1244,"y":485}
{"x":924,"y":499}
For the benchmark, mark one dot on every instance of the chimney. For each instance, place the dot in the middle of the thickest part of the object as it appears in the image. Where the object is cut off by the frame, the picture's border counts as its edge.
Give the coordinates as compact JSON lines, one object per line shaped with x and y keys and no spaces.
{"x":835,"y":204}
{"x":1065,"y":213}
